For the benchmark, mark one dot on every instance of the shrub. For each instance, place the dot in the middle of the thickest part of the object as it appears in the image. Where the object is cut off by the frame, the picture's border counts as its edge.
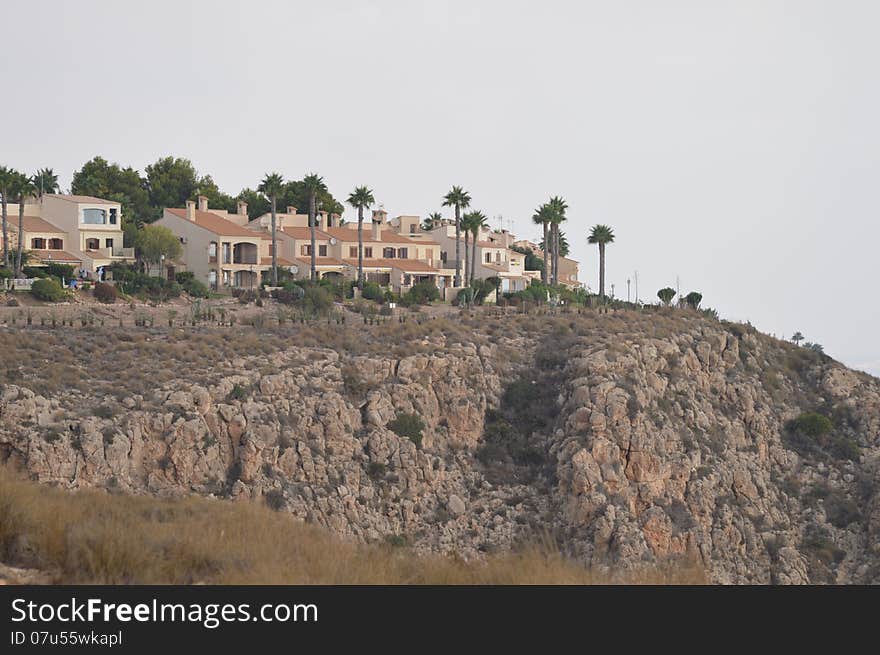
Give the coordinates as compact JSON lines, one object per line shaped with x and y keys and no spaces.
{"x":409,"y":426}
{"x":423,"y":293}
{"x":5,"y":273}
{"x":666,"y":294}
{"x":811,"y":424}
{"x":47,"y":289}
{"x":61,"y":271}
{"x":289,"y":294}
{"x":193,"y":287}
{"x":105,"y":293}
{"x":373,"y":291}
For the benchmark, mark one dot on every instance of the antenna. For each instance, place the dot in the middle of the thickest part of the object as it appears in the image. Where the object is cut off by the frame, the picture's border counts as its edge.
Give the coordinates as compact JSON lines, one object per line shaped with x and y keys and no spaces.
{"x":637,"y":287}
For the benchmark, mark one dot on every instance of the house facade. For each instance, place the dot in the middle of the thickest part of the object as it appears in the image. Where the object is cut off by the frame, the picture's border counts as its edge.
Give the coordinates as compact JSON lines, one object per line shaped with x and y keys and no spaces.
{"x":217,"y":247}
{"x":568,"y":268}
{"x":82,"y":231}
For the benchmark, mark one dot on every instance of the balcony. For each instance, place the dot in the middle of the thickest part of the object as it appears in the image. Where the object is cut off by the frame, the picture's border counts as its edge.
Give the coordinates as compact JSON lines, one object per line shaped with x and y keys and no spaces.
{"x":111,"y":253}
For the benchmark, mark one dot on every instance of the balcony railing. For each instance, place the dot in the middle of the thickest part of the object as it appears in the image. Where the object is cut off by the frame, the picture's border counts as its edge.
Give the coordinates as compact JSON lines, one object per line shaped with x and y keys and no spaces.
{"x":111,"y":252}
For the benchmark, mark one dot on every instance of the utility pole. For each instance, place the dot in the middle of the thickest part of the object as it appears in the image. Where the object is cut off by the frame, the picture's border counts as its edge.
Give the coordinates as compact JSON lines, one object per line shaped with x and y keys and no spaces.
{"x":637,"y":287}
{"x":627,"y":289}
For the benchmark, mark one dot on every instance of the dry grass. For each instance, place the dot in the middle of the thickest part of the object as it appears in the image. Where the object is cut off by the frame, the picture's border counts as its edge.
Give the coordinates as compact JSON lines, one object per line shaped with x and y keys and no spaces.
{"x":95,"y":537}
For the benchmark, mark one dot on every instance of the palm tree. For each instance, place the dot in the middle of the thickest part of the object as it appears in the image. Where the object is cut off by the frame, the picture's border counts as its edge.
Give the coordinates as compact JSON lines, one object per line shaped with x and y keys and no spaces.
{"x":271,"y":187}
{"x":563,"y":244}
{"x":313,"y":184}
{"x":361,"y":198}
{"x":460,"y":199}
{"x":601,"y":235}
{"x":466,"y":228}
{"x":7,"y":179}
{"x":23,"y":188}
{"x":431,"y":221}
{"x":558,"y":206}
{"x":797,"y":337}
{"x":542,"y":217}
{"x":45,"y":182}
{"x":476,"y":221}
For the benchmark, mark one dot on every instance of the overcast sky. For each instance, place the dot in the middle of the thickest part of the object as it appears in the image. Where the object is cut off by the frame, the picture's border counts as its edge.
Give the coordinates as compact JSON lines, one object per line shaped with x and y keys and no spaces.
{"x":733,"y":145}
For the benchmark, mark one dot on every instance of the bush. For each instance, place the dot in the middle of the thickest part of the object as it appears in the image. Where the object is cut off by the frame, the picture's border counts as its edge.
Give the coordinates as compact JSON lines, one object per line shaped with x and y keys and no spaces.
{"x":373,"y":291}
{"x":47,"y":289}
{"x":409,"y":426}
{"x":811,"y":424}
{"x":105,"y":293}
{"x":423,"y":293}
{"x":193,"y":287}
{"x":132,"y":282}
{"x":61,"y":271}
{"x":5,"y":273}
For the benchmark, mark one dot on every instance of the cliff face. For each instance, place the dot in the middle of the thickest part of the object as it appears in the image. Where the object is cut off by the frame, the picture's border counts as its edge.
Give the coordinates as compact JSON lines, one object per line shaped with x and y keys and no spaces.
{"x":623,"y":438}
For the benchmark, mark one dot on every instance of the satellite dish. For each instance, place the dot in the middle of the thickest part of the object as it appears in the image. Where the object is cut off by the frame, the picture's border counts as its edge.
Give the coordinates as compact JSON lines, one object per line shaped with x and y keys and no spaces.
{"x":294,"y":269}
{"x":332,"y":241}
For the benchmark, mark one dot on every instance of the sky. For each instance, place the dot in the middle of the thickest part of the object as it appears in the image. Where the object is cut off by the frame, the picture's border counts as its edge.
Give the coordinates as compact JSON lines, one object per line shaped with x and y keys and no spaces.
{"x":734,"y":147}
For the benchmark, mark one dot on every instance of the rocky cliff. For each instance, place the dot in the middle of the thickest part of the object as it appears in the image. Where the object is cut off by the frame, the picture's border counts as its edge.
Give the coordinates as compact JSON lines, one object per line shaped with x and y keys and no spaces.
{"x":623,"y":438}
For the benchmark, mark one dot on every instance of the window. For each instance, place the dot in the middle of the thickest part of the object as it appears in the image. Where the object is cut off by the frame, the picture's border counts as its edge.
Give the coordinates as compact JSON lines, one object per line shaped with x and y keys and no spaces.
{"x":94,"y":217}
{"x":352,"y":251}
{"x":322,"y":251}
{"x":368,"y":252}
{"x":388,"y":253}
{"x":113,"y":216}
{"x":38,"y":244}
{"x":443,"y":256}
{"x":412,"y":228}
{"x":108,"y":243}
{"x":306,"y":250}
{"x":56,"y":244}
{"x":92,"y":244}
{"x":212,"y":278}
{"x":488,"y":257}
{"x":401,"y":253}
{"x":212,"y":253}
{"x":227,"y":258}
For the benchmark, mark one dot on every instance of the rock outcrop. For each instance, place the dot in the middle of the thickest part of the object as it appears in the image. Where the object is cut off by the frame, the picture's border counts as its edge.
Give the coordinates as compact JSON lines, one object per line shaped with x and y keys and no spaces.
{"x":655,"y":444}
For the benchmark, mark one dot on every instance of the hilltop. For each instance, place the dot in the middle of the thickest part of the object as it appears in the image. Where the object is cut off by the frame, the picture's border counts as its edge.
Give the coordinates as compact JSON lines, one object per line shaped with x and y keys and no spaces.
{"x":620,"y":438}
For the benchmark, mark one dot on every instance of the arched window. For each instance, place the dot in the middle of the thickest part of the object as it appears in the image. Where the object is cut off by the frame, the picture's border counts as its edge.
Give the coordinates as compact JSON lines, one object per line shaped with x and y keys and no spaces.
{"x":92,"y":244}
{"x":56,"y":244}
{"x":38,"y":244}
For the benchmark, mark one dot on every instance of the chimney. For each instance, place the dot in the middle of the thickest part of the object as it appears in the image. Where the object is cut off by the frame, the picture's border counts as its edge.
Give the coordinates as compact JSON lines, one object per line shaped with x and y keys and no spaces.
{"x":377,"y":229}
{"x":203,"y":203}
{"x":190,"y":210}
{"x":241,"y":208}
{"x":379,"y":215}
{"x":291,"y":210}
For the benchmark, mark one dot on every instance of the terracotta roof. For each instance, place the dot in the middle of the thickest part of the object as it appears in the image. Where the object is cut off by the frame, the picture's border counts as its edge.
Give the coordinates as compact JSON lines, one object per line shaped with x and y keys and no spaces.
{"x":405,"y":265}
{"x":59,"y":256}
{"x":33,"y":224}
{"x":216,"y":224}
{"x":88,"y":199}
{"x":320,"y":261}
{"x":387,"y":235}
{"x":267,"y":261}
{"x":494,"y":267}
{"x":305,"y":233}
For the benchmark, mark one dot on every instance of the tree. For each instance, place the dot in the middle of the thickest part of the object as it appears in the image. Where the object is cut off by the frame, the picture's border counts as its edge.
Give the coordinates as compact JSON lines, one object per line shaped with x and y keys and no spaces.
{"x":22,"y":188}
{"x":666,"y":294}
{"x":815,"y":347}
{"x":297,"y":194}
{"x":473,"y":222}
{"x":460,"y":199}
{"x":361,"y":198}
{"x":796,"y":338}
{"x":270,"y":187}
{"x":601,"y":235}
{"x":314,"y":185}
{"x":217,"y":199}
{"x":123,"y":185}
{"x":542,"y":217}
{"x":257,"y":204}
{"x":155,"y":241}
{"x":431,"y":221}
{"x":7,"y":179}
{"x":532,"y":262}
{"x":45,"y":181}
{"x":563,"y":245}
{"x":558,"y":207}
{"x":171,"y":181}
{"x":693,"y":299}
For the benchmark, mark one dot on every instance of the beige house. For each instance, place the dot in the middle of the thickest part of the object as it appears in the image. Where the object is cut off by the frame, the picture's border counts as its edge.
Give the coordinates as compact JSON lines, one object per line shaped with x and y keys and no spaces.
{"x":79,"y":230}
{"x":218,"y":248}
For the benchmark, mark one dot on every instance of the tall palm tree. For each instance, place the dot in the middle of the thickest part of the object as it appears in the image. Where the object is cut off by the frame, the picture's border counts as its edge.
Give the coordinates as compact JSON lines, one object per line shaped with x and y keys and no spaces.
{"x":476,"y":221}
{"x":558,"y":207}
{"x":466,"y":220}
{"x":313,"y":184}
{"x":45,"y":181}
{"x":542,"y":217}
{"x":460,"y":199}
{"x":23,"y":187}
{"x":7,"y":179}
{"x":431,"y":221}
{"x":361,"y":198}
{"x":271,"y":187}
{"x":601,"y":235}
